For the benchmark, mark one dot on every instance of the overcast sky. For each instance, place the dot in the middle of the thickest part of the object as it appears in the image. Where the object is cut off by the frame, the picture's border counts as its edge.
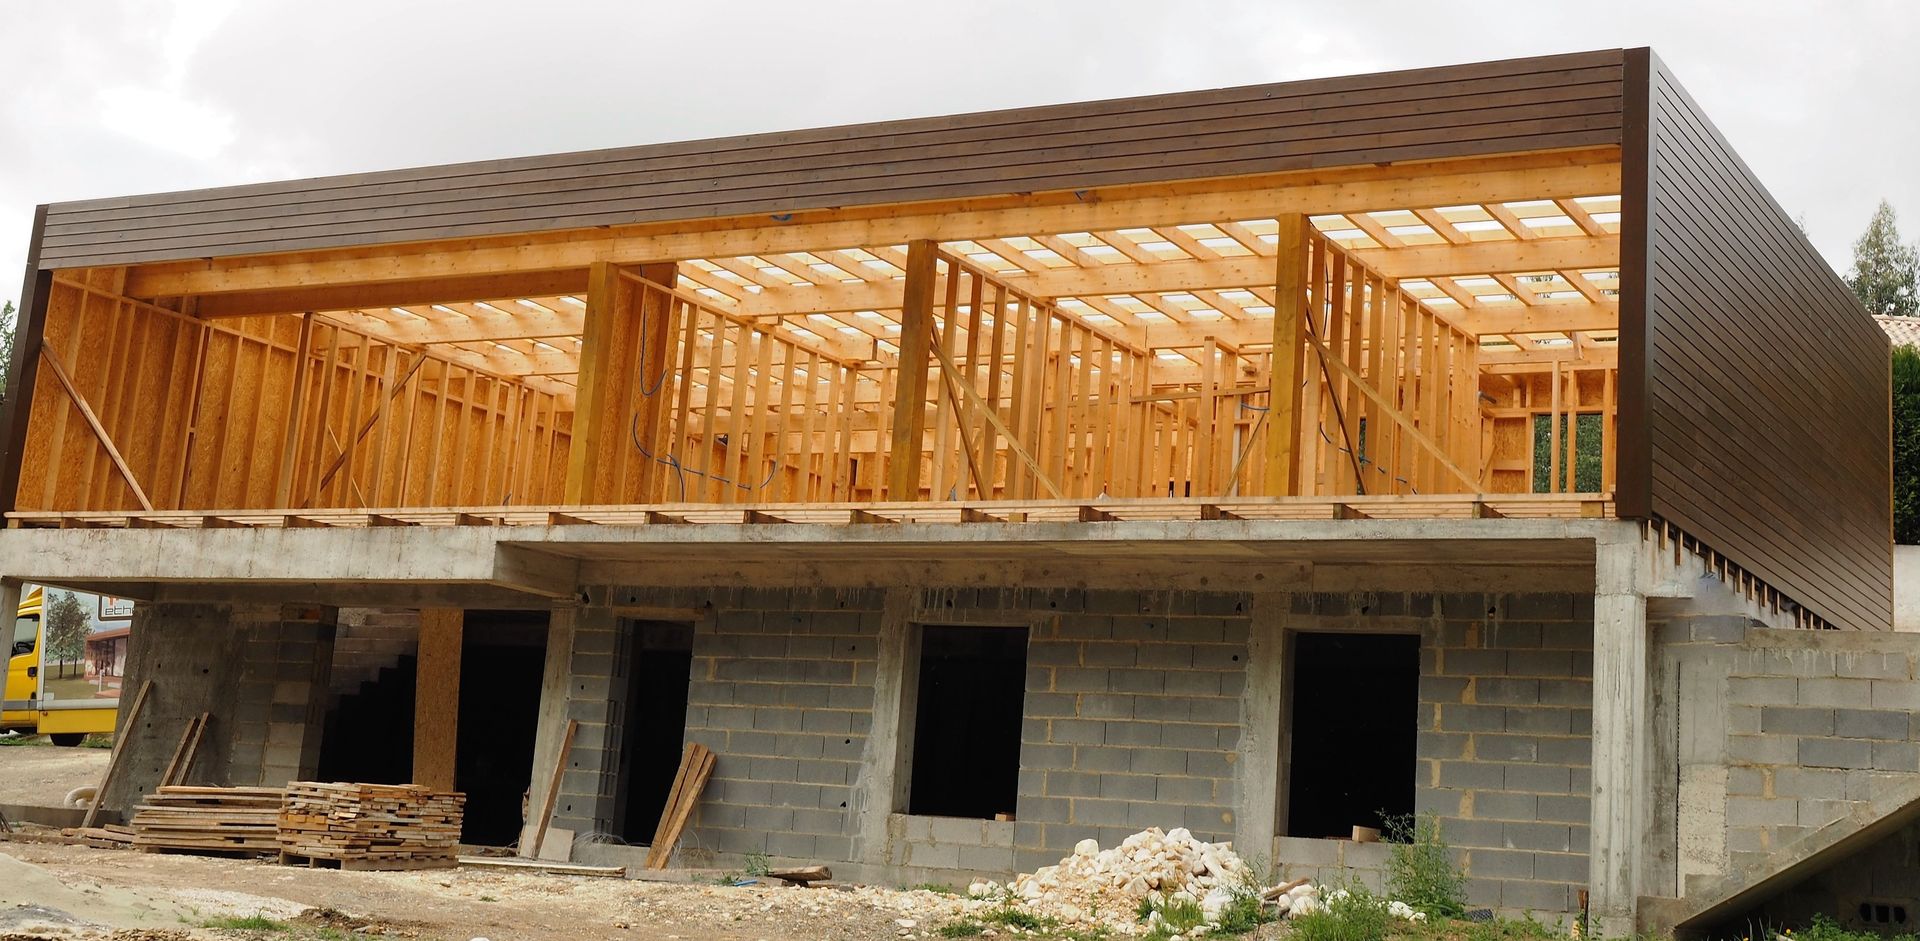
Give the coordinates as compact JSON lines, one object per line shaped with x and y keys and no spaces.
{"x":115,"y":97}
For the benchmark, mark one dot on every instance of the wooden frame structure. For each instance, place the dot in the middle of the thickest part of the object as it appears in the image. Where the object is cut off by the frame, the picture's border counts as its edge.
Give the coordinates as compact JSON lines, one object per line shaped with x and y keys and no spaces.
{"x":1367,"y":288}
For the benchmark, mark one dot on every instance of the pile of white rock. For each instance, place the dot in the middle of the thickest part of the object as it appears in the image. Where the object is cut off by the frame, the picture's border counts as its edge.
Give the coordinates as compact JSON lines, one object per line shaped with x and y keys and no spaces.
{"x":1104,"y":887}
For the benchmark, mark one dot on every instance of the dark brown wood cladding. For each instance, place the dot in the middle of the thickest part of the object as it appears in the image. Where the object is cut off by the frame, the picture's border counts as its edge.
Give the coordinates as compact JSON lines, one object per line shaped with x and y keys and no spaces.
{"x":1754,"y":404}
{"x":1455,"y":111}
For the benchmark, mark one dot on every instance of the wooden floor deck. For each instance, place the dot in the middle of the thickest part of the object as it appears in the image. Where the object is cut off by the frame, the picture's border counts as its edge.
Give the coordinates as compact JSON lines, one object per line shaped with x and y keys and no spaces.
{"x":1468,"y":506}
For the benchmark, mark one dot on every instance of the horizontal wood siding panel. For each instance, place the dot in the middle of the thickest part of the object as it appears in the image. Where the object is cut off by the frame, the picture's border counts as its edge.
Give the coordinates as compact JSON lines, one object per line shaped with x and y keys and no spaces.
{"x":1457,"y":111}
{"x":1765,"y":398}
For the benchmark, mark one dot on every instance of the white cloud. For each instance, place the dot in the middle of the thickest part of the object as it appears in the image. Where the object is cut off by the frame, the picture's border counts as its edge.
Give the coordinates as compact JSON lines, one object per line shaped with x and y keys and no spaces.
{"x":114,"y":97}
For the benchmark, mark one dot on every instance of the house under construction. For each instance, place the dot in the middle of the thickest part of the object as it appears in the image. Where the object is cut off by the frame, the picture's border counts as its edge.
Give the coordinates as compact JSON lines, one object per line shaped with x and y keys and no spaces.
{"x":1479,"y":440}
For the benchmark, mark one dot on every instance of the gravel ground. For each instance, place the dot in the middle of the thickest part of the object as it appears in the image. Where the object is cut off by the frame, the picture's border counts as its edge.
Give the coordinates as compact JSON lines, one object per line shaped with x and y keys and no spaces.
{"x":40,"y":773}
{"x":81,"y":892}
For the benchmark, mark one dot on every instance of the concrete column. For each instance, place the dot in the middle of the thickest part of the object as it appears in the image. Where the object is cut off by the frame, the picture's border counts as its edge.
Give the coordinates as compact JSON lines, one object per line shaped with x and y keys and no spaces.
{"x":1621,"y":720}
{"x":882,"y":782}
{"x":550,"y":728}
{"x":1263,"y":738}
{"x":436,"y":698}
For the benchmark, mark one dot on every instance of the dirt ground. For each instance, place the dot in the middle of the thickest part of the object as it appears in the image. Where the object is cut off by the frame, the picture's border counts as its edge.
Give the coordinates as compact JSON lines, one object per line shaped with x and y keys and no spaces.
{"x":50,"y":890}
{"x":41,"y":773}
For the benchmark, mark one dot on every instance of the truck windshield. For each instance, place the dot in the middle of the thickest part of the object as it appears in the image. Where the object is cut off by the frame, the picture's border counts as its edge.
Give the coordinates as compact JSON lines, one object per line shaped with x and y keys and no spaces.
{"x":25,"y":629}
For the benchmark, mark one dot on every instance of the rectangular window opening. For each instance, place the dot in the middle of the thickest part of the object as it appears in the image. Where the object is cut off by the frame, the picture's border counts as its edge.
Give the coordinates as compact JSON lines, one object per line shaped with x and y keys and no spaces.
{"x":1355,"y":716}
{"x":1585,"y":436}
{"x":966,"y":738}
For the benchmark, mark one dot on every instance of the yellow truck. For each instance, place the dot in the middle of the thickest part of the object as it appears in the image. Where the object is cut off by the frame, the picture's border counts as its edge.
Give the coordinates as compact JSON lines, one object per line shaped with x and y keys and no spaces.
{"x":63,"y":698}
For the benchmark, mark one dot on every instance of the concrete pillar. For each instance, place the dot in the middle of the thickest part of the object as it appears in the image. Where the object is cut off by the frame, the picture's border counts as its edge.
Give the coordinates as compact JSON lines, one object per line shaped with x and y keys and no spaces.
{"x":436,"y":698}
{"x":550,"y":728}
{"x":1621,"y":721}
{"x":594,"y":681}
{"x":882,"y":783}
{"x":1263,"y":725}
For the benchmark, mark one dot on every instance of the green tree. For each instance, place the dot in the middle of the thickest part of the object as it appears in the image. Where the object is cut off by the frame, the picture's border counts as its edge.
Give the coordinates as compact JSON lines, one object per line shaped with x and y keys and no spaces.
{"x":66,"y":630}
{"x":1884,"y":270}
{"x":6,"y":347}
{"x":1906,"y":445}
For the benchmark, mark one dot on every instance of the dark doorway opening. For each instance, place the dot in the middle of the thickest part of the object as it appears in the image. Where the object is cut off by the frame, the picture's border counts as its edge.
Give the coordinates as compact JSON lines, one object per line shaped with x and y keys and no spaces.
{"x":367,"y":735}
{"x":655,"y":721}
{"x":502,"y":664}
{"x":1355,"y":720}
{"x":966,"y":734}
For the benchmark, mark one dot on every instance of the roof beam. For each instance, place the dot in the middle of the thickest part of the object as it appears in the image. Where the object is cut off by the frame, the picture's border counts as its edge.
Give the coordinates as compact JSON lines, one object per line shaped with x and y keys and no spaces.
{"x":478,"y":287}
{"x":1244,"y":271}
{"x":1514,"y":177}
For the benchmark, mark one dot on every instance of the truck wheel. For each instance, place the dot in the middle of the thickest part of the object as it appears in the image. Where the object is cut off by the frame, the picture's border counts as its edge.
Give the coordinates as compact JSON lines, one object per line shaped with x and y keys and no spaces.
{"x":68,"y":739}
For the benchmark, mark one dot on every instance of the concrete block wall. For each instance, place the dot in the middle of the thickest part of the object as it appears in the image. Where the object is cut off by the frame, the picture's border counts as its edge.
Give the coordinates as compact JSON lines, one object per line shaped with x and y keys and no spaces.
{"x":258,"y":670}
{"x":279,"y":709}
{"x":1132,"y":720}
{"x":1134,"y":714}
{"x":782,"y":688}
{"x":1779,"y":733}
{"x":1505,"y":743}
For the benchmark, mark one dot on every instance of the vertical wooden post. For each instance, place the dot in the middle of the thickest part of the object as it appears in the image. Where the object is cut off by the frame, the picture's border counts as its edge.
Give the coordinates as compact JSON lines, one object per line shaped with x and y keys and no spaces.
{"x":436,"y":698}
{"x":652,"y":374}
{"x":1289,"y":347}
{"x":910,"y":387}
{"x":597,"y":338}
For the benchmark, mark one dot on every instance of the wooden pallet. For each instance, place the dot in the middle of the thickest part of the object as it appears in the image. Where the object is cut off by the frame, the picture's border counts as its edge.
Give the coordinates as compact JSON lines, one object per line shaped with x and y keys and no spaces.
{"x":369,"y":864}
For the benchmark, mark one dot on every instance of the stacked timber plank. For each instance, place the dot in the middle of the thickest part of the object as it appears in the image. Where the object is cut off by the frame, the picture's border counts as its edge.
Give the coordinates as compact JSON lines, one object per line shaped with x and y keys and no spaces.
{"x":209,"y":820}
{"x":370,"y":826}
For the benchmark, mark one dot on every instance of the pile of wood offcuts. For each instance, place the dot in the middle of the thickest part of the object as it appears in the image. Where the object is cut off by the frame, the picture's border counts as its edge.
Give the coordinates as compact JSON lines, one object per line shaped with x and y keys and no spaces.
{"x":370,"y":826}
{"x":209,"y":819}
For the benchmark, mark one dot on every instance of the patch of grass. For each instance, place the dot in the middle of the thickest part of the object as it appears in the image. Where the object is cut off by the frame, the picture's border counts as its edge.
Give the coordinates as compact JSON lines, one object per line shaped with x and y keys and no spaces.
{"x":1507,"y":929}
{"x":934,"y":887}
{"x":488,"y":898}
{"x":98,"y":740}
{"x":254,"y":922}
{"x":1825,"y":928}
{"x":1010,"y":915}
{"x":758,"y":864}
{"x":1420,"y":868}
{"x":1359,"y":915}
{"x":1177,"y":916}
{"x":965,"y":928}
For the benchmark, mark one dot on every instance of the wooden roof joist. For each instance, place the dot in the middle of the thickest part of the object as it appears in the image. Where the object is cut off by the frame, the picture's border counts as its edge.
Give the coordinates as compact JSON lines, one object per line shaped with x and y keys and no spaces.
{"x":1480,"y":180}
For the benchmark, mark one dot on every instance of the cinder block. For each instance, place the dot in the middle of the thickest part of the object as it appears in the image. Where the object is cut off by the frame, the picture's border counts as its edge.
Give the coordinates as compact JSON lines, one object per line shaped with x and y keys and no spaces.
{"x":1876,"y":724}
{"x":1183,"y":790}
{"x":1076,"y":731}
{"x":1896,"y":756}
{"x":1505,"y":748}
{"x":1472,"y":718}
{"x":1763,"y":749}
{"x":1157,"y":761}
{"x":1110,"y":655}
{"x":1137,"y":681}
{"x":1895,"y":694}
{"x":1819,"y":813}
{"x":1472,"y":774}
{"x":1499,"y":864}
{"x":1760,"y":690}
{"x":1445,"y":803}
{"x":1541,"y":779}
{"x":1548,"y":837}
{"x":1797,"y":720}
{"x":1102,"y":759}
{"x":1210,"y":764}
{"x":1835,"y":753}
{"x":1760,"y":812}
{"x":957,"y":830}
{"x":1564,"y":808}
{"x":1570,"y":868}
{"x":1565,"y":751}
{"x":1503,"y":805}
{"x":1127,"y":787}
{"x":1465,"y":661}
{"x":1133,"y":733}
{"x":1441,"y":745}
{"x":991,"y":860}
{"x":1110,"y":706}
{"x":1530,"y":896}
{"x":1443,"y":689}
{"x":1191,"y":682}
{"x":1540,"y":663}
{"x":933,"y":855}
{"x":1836,"y":692}
{"x":1211,"y":709}
{"x":1073,"y":679}
{"x":1544,"y":720}
{"x":1072,"y":784}
{"x":1166,"y":655}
